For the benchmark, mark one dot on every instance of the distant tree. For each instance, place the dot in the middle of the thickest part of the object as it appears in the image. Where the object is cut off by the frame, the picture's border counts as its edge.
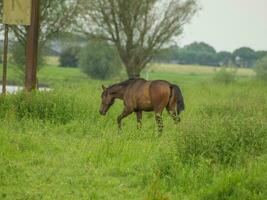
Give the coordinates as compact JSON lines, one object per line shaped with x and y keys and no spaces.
{"x":187,"y":57}
{"x":244,"y":57}
{"x":200,"y":47}
{"x":261,"y":68}
{"x":99,"y":60}
{"x":198,"y":53}
{"x":224,"y":58}
{"x":260,"y":54}
{"x":19,"y":56}
{"x":205,"y":58}
{"x":137,"y":28}
{"x":69,"y":57}
{"x":167,"y":55}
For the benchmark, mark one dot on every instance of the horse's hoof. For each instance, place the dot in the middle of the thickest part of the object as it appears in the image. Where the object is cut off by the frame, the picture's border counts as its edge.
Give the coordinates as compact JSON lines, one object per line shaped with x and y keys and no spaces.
{"x":119,"y":131}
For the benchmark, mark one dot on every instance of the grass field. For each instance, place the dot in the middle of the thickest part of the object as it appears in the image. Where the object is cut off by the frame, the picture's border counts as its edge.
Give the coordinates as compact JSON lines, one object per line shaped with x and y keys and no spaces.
{"x":55,"y":145}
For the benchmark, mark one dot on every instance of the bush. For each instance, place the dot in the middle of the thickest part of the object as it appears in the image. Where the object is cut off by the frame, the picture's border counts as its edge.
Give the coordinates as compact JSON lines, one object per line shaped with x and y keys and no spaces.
{"x":19,"y":56}
{"x":99,"y":60}
{"x":221,"y":138}
{"x":261,"y":69}
{"x":225,"y":76}
{"x":69,"y":57}
{"x":51,"y":107}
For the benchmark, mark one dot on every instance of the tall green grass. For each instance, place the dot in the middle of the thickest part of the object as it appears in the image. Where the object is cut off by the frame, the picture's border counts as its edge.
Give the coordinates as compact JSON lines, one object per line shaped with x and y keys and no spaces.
{"x":55,"y":145}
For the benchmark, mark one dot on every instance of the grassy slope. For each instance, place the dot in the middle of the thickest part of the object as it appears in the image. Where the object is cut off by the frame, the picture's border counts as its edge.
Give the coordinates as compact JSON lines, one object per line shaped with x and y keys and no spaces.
{"x":56,"y":146}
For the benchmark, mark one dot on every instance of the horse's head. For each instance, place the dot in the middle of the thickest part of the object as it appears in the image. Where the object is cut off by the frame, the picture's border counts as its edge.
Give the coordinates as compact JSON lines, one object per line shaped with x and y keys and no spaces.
{"x":107,"y":100}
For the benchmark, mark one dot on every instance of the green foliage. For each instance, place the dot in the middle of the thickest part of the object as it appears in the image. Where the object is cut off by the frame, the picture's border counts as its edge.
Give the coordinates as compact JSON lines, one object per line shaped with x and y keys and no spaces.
{"x":99,"y":60}
{"x":261,"y":69}
{"x":204,"y":54}
{"x":225,"y":76}
{"x":260,"y":54}
{"x":43,"y":106}
{"x":224,"y":58}
{"x":69,"y":57}
{"x":195,"y":53}
{"x":55,"y":145}
{"x":244,"y":57}
{"x":18,"y":52}
{"x":221,"y":138}
{"x":200,"y":47}
{"x":167,"y":55}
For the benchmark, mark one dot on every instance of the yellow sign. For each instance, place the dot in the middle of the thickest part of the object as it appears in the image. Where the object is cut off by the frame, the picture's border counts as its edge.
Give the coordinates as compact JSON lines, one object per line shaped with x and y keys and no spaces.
{"x":17,"y":12}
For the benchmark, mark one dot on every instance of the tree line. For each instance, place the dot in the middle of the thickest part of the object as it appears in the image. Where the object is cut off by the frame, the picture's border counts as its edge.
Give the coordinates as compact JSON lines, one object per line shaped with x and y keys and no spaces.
{"x":137,"y":29}
{"x":200,"y":53}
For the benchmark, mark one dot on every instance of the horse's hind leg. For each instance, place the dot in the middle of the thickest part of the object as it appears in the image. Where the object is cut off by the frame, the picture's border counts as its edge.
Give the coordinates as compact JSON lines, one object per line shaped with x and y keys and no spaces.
{"x":159,"y":121}
{"x":124,"y":114}
{"x":175,"y":116}
{"x":139,"y":119}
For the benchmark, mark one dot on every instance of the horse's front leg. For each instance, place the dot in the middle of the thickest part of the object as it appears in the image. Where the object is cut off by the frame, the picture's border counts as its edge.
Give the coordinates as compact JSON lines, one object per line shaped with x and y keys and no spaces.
{"x":124,"y":114}
{"x":139,"y":119}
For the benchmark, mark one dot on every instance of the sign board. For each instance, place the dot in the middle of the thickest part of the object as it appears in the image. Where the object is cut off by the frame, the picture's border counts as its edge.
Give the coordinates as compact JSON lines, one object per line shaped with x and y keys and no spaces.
{"x":17,"y":12}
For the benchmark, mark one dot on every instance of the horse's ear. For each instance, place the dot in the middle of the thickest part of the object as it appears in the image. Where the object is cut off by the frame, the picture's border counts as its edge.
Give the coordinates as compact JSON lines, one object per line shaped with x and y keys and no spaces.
{"x":103,"y":87}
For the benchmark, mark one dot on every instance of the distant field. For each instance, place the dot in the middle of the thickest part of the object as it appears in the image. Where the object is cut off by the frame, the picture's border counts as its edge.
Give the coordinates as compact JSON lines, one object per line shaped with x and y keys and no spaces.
{"x":193,"y":69}
{"x":186,"y":69}
{"x":52,"y":74}
{"x":52,"y":60}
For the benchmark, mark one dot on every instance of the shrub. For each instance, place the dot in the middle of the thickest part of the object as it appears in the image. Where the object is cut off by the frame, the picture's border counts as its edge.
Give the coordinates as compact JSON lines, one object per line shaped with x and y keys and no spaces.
{"x":261,"y":69}
{"x":44,"y":106}
{"x":225,"y":76}
{"x":99,"y":60}
{"x":221,"y":138}
{"x":69,"y":57}
{"x":18,"y":52}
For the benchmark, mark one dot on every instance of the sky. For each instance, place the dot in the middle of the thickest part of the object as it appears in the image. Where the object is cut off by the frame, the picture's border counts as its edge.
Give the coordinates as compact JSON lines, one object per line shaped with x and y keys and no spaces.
{"x":229,"y":24}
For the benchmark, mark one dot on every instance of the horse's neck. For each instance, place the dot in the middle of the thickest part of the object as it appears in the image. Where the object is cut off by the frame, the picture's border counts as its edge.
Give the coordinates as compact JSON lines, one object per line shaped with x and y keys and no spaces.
{"x":118,"y":92}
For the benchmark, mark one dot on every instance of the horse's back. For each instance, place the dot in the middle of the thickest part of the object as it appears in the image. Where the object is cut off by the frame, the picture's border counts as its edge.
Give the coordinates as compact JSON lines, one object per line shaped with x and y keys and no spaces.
{"x":137,"y":95}
{"x":147,"y":95}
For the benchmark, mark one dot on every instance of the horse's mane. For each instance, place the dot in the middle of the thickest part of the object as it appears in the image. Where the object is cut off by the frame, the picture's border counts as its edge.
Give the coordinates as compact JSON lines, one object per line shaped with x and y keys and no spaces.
{"x":125,"y":83}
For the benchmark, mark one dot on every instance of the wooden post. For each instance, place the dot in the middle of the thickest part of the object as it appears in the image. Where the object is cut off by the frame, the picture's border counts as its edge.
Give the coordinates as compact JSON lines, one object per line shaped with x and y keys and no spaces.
{"x":32,"y":47}
{"x":4,"y":79}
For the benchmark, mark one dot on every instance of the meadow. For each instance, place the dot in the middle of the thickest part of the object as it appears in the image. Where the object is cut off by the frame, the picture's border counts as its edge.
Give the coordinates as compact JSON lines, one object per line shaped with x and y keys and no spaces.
{"x":55,"y":145}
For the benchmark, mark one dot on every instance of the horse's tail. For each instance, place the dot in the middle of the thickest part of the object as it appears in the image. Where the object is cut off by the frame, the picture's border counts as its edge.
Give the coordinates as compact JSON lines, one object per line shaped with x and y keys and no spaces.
{"x":176,"y":95}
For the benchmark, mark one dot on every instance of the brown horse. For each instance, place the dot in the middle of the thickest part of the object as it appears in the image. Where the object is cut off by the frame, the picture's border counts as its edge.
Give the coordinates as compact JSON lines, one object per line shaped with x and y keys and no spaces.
{"x":140,"y":95}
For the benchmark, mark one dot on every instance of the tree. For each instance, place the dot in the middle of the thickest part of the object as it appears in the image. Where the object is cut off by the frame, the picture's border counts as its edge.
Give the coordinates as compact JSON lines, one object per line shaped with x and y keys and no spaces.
{"x":167,"y":55}
{"x":200,"y":47}
{"x":244,"y":57}
{"x":56,"y":16}
{"x":99,"y":60}
{"x":69,"y":57}
{"x":224,"y":58}
{"x":260,"y":54}
{"x":137,"y":28}
{"x":198,"y":53}
{"x":261,"y":69}
{"x":19,"y":58}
